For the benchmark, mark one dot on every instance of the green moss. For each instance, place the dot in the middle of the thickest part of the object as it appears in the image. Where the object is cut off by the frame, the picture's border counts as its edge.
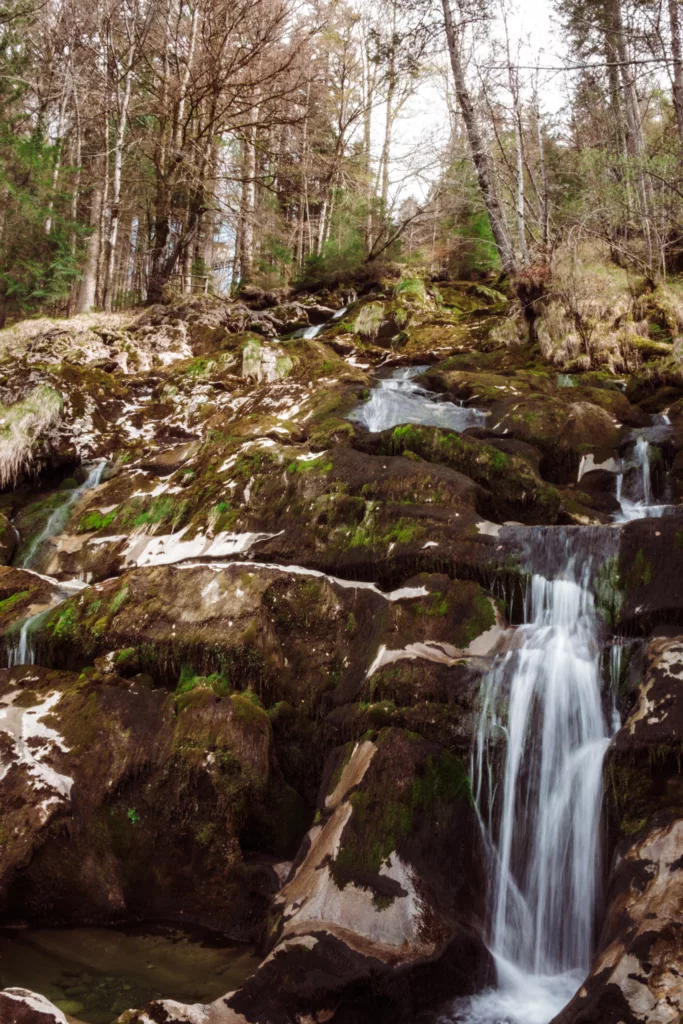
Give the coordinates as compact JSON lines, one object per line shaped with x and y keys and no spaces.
{"x":9,"y":602}
{"x":641,"y":572}
{"x":93,"y":521}
{"x":162,"y":509}
{"x":413,"y":289}
{"x":320,"y":465}
{"x":369,"y":319}
{"x":402,"y":532}
{"x":247,"y":707}
{"x":483,"y":618}
{"x":608,"y":590}
{"x":380,"y":823}
{"x":190,"y":682}
{"x":119,"y":599}
{"x":64,"y":624}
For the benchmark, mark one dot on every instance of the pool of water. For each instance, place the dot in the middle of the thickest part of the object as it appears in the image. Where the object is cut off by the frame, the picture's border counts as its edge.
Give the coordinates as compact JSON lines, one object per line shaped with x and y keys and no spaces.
{"x":94,"y":974}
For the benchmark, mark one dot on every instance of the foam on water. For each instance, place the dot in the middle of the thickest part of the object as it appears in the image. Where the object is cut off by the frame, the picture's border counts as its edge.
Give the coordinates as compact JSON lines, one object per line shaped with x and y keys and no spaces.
{"x":399,"y":399}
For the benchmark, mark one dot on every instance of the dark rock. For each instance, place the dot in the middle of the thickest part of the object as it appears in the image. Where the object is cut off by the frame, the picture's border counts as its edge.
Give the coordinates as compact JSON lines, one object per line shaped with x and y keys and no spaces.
{"x":651,"y":574}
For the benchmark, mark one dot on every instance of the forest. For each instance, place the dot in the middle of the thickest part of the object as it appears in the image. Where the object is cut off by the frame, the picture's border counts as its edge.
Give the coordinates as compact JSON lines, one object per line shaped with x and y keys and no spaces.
{"x":341,"y":512}
{"x":154,"y":144}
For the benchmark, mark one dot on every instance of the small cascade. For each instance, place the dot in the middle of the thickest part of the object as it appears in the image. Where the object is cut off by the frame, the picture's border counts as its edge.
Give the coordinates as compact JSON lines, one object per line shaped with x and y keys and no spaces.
{"x":539,"y":801}
{"x":57,"y":521}
{"x":641,"y":504}
{"x":615,"y":671}
{"x":23,"y":652}
{"x":313,"y":332}
{"x":399,"y":399}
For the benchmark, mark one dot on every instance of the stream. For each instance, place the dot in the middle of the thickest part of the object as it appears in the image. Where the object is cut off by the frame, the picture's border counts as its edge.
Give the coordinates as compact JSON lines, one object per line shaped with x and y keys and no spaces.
{"x":546,"y":721}
{"x":399,"y":399}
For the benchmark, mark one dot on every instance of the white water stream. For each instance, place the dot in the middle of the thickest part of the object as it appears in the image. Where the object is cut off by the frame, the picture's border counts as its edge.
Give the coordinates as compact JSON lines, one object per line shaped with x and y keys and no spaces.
{"x":539,"y":801}
{"x":399,"y":399}
{"x":57,"y":520}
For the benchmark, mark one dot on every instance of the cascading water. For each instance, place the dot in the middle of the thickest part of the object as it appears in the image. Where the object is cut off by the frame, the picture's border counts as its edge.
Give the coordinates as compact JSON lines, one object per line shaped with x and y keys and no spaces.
{"x":57,"y":520}
{"x":22,"y":651}
{"x":635,"y":492}
{"x":313,"y":332}
{"x":399,"y":399}
{"x":539,"y":803}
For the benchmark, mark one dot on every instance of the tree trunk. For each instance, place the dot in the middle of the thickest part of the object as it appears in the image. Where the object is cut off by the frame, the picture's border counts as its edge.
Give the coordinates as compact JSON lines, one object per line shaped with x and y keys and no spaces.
{"x":116,"y":182}
{"x":675,"y":25}
{"x":634,"y":134}
{"x":388,"y":125}
{"x":88,"y":286}
{"x":249,"y":200}
{"x":545,"y":191}
{"x":477,"y":145}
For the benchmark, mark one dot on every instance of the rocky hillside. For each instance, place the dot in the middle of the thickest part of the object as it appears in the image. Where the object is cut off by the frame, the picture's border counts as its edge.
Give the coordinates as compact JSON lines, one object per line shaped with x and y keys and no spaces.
{"x":257,"y":559}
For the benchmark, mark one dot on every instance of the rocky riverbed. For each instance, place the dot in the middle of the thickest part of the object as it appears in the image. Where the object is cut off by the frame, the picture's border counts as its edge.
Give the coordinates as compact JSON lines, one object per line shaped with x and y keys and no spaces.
{"x":259,"y":561}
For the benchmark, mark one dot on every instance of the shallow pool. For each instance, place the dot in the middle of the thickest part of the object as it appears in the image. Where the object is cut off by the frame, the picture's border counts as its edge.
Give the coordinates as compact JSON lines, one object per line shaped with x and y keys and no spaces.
{"x":94,"y":974}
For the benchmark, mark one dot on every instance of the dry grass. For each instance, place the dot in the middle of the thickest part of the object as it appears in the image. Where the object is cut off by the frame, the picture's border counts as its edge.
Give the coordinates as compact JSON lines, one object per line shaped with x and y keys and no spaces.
{"x":14,"y":339}
{"x":21,"y":426}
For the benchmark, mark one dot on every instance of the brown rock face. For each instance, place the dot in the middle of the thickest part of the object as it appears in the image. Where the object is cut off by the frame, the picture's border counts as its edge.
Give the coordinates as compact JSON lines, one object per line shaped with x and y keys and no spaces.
{"x":637,"y":975}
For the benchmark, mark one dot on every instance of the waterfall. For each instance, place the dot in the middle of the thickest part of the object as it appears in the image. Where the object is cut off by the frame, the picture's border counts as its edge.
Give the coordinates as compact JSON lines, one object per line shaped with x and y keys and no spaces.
{"x":638,"y":501}
{"x":22,"y":652}
{"x":57,"y":520}
{"x":399,"y":400}
{"x":539,"y":801}
{"x":642,"y":456}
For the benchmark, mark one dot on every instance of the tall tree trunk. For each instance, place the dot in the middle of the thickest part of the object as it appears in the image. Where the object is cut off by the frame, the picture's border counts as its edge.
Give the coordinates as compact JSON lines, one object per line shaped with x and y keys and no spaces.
{"x":88,"y":286}
{"x":675,"y":25}
{"x":116,"y":180}
{"x":249,"y":199}
{"x":517,"y":117}
{"x":369,"y":91}
{"x":634,"y":133}
{"x":58,"y":159}
{"x":545,"y":191}
{"x":389,"y":119}
{"x":478,"y":149}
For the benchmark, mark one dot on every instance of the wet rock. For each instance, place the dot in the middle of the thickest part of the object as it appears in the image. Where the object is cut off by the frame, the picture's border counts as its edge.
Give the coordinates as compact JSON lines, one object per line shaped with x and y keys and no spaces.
{"x":144,"y":787}
{"x":636,"y":976}
{"x":518,"y":493}
{"x":379,"y":915}
{"x":650,"y":582}
{"x":21,"y":1006}
{"x":8,"y":540}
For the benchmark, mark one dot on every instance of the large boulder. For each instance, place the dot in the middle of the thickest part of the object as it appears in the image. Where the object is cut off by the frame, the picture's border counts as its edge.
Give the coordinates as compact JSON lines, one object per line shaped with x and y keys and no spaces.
{"x":120,"y":801}
{"x":379,"y":917}
{"x":650,"y":574}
